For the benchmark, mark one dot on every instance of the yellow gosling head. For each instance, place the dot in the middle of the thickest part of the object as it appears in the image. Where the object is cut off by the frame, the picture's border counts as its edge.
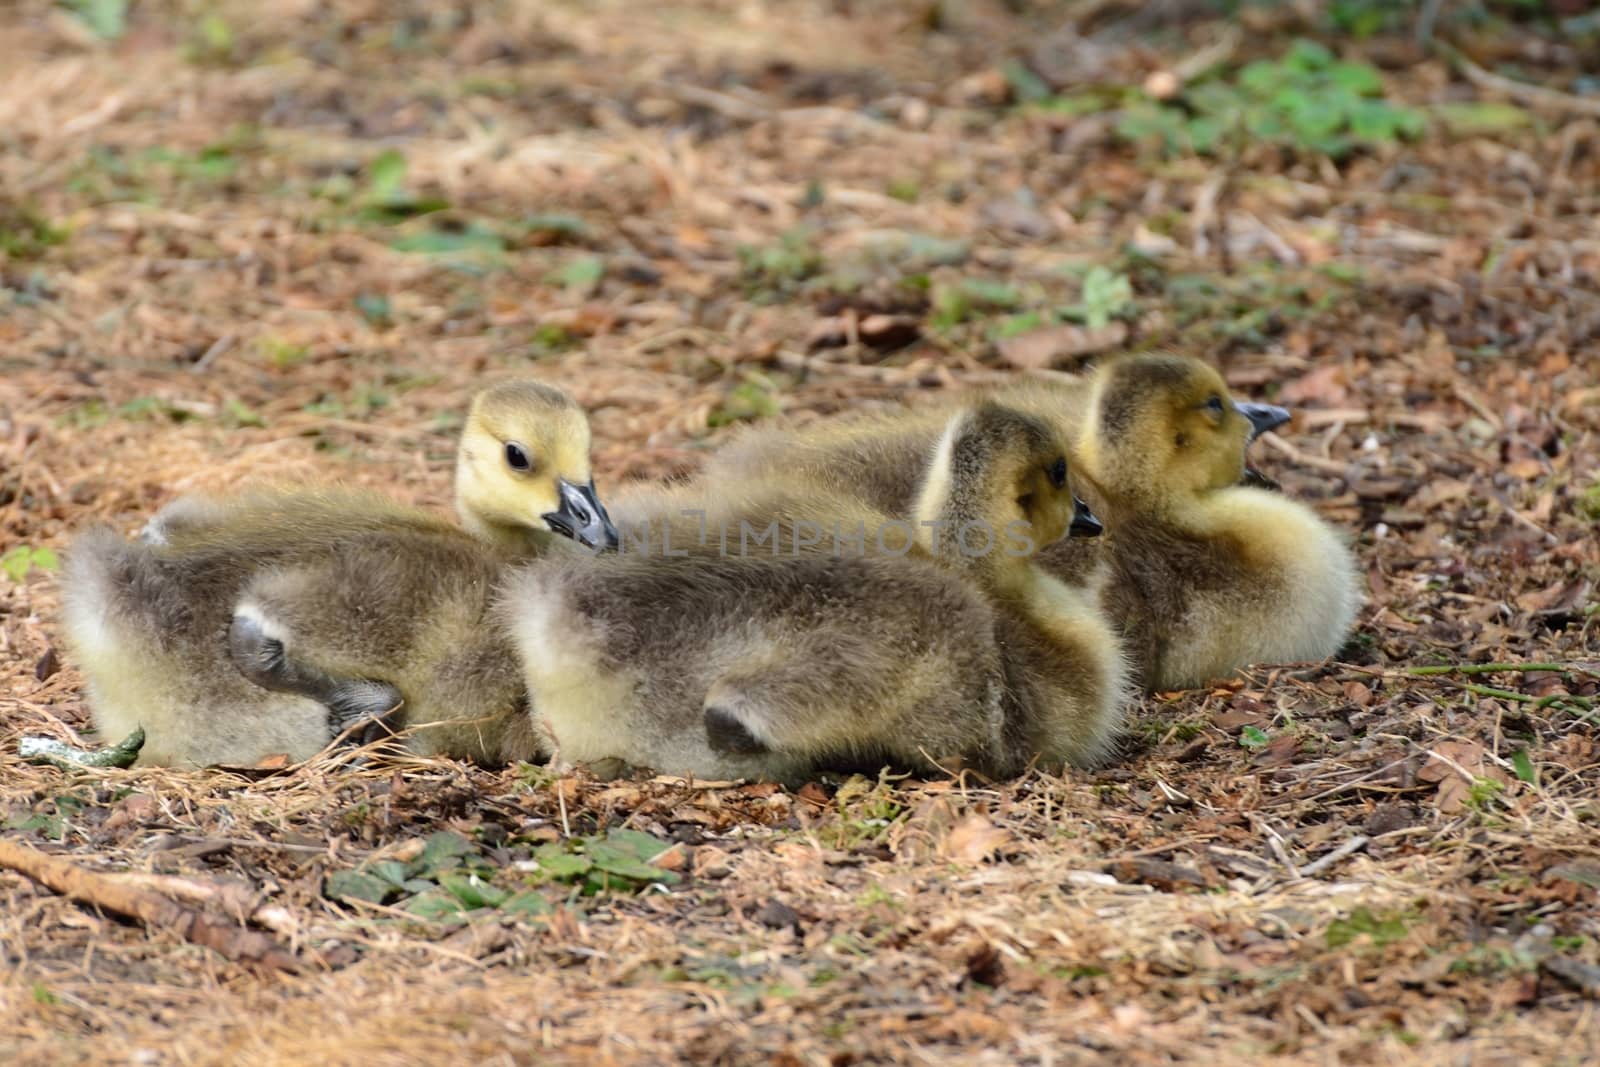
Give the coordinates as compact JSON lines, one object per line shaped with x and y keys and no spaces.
{"x":523,"y":465}
{"x":998,"y":488}
{"x":1164,"y":429}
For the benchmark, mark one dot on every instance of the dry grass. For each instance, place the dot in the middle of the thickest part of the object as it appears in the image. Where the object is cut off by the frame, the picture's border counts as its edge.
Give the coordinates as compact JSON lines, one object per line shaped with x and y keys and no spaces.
{"x":1429,"y":308}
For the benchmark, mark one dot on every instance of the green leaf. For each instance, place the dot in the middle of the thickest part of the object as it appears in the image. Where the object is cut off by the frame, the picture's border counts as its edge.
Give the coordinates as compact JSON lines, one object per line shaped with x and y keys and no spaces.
{"x":106,"y":19}
{"x":374,"y":307}
{"x":950,"y":308}
{"x":392,"y":871}
{"x":52,"y":826}
{"x":386,"y":176}
{"x":1363,"y":18}
{"x":1316,"y":123}
{"x":1253,"y":737}
{"x":561,"y":865}
{"x":442,"y":851}
{"x":387,"y":199}
{"x":1075,"y":104}
{"x":619,"y":863}
{"x":1307,"y":55}
{"x":1222,"y":102}
{"x":637,"y":843}
{"x":474,"y":237}
{"x":627,"y":853}
{"x":403,"y":207}
{"x":1383,"y":931}
{"x":1205,"y":134}
{"x":17,"y":562}
{"x":903,"y":189}
{"x":527,"y":902}
{"x":356,"y":885}
{"x":924,"y":252}
{"x":1409,"y":122}
{"x":216,"y":35}
{"x":1484,"y":118}
{"x":1358,"y":78}
{"x":1013,"y":325}
{"x":20,"y":560}
{"x":1523,"y":765}
{"x":548,"y":229}
{"x":1295,"y":99}
{"x":1374,"y":120}
{"x":1028,"y":86}
{"x":435,"y":906}
{"x":239,"y":414}
{"x":471,"y":890}
{"x":988,"y":293}
{"x":1105,"y":295}
{"x":746,"y":401}
{"x":1266,"y":124}
{"x":583,"y":273}
{"x":1263,"y":77}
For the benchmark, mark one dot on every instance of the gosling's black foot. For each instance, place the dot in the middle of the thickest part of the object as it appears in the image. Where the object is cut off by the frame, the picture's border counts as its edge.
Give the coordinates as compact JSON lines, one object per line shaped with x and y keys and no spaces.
{"x":726,"y":733}
{"x":262,"y":658}
{"x":363,"y":711}
{"x":360,"y":710}
{"x":1256,"y":479}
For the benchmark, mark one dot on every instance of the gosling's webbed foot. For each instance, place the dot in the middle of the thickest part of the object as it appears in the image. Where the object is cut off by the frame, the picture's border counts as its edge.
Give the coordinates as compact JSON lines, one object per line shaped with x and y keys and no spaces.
{"x":1256,"y":479}
{"x":725,"y":732}
{"x":365,"y":708}
{"x":360,"y":710}
{"x":262,"y":657}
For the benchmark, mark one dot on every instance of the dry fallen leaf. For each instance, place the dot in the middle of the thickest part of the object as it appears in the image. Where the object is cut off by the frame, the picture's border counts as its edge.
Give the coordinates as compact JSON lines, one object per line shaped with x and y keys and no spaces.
{"x":1445,"y":757}
{"x":1278,"y":752}
{"x":1440,"y":491}
{"x":130,"y":811}
{"x":814,"y":795}
{"x":675,"y":858}
{"x":1563,"y":596}
{"x":1325,"y":385}
{"x":1234,"y":718}
{"x":1452,"y":795}
{"x":1048,"y":347}
{"x":973,"y":840}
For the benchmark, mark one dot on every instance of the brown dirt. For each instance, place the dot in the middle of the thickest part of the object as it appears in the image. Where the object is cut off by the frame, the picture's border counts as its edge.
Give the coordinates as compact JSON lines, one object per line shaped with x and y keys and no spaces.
{"x":1429,"y":308}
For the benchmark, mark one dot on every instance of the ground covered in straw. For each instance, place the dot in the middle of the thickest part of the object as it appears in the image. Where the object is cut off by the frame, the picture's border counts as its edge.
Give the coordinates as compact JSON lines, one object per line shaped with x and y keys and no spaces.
{"x":245,"y":242}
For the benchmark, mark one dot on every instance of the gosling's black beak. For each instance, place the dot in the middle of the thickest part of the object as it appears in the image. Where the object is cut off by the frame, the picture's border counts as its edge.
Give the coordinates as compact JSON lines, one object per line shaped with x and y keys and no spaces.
{"x":582,"y":517}
{"x":1256,"y":479}
{"x":1263,"y":417}
{"x":1084,"y":522}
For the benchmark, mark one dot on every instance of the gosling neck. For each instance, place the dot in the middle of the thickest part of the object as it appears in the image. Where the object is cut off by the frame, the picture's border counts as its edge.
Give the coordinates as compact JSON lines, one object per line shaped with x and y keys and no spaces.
{"x":1134,"y":501}
{"x":512,"y":538}
{"x":1128,"y":495}
{"x":953,"y":522}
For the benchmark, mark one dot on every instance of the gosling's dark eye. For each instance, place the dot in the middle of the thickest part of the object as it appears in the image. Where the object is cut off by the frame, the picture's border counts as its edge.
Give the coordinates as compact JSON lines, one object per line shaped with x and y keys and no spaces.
{"x":517,"y":457}
{"x":1058,"y":473}
{"x":1214,"y":405}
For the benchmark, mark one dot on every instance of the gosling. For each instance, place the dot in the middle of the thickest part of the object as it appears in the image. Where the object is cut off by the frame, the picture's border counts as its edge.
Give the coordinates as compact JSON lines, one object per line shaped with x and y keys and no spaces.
{"x":924,"y":643}
{"x":1210,"y":571}
{"x":269,"y":624}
